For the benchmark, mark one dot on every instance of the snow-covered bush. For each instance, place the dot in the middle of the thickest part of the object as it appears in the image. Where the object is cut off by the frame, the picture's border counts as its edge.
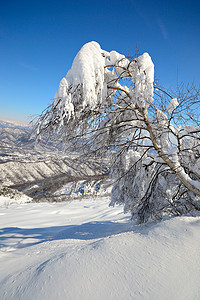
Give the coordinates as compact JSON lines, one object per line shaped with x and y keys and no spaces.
{"x":10,"y":196}
{"x":109,"y":106}
{"x":150,"y":190}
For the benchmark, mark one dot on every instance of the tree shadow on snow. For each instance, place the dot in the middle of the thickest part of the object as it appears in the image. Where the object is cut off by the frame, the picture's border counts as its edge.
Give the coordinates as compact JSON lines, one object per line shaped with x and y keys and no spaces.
{"x":16,"y":237}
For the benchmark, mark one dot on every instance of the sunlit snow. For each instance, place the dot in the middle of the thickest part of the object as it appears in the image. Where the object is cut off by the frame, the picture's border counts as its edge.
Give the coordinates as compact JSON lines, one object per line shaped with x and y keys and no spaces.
{"x":87,"y":250}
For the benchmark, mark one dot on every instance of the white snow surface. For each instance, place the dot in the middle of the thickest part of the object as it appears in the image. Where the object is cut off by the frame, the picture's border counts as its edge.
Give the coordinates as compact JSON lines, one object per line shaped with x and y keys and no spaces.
{"x":87,"y":250}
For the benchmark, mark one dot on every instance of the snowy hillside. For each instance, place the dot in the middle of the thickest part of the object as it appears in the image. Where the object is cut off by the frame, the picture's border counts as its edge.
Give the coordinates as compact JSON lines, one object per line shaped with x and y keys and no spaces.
{"x":87,"y":250}
{"x":37,"y":171}
{"x":13,"y":124}
{"x":11,"y":196}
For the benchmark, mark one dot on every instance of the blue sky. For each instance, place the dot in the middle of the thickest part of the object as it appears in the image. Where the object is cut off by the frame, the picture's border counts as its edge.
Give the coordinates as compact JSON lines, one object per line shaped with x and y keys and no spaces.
{"x":39,"y":40}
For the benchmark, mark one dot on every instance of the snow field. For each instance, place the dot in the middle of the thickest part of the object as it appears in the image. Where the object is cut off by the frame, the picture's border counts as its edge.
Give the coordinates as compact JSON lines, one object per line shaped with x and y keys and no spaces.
{"x":87,"y":250}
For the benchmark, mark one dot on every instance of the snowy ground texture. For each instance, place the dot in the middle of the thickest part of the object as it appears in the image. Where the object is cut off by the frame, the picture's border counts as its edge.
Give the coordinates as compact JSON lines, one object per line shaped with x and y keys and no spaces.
{"x":87,"y":250}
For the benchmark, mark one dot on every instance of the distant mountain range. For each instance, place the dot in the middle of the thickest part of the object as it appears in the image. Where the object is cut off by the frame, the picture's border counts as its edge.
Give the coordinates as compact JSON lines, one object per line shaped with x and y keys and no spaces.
{"x":13,"y":124}
{"x":37,"y":170}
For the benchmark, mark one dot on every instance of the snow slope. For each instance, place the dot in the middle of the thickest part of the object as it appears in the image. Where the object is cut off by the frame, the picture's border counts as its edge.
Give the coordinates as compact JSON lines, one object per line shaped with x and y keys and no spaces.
{"x":40,"y":171}
{"x":87,"y":250}
{"x":6,"y":200}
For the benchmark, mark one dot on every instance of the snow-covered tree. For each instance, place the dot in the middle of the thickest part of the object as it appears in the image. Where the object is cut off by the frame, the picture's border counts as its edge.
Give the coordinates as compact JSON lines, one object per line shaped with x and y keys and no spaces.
{"x":109,"y":106}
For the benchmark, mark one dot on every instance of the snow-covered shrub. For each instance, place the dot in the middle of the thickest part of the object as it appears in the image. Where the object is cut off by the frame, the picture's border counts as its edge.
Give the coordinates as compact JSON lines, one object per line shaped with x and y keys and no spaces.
{"x":10,"y":196}
{"x":150,"y":191}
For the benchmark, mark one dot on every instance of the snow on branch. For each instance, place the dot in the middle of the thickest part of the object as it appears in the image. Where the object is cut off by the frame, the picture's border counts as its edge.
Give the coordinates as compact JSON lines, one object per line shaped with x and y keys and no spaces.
{"x":90,"y":71}
{"x":172,"y":105}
